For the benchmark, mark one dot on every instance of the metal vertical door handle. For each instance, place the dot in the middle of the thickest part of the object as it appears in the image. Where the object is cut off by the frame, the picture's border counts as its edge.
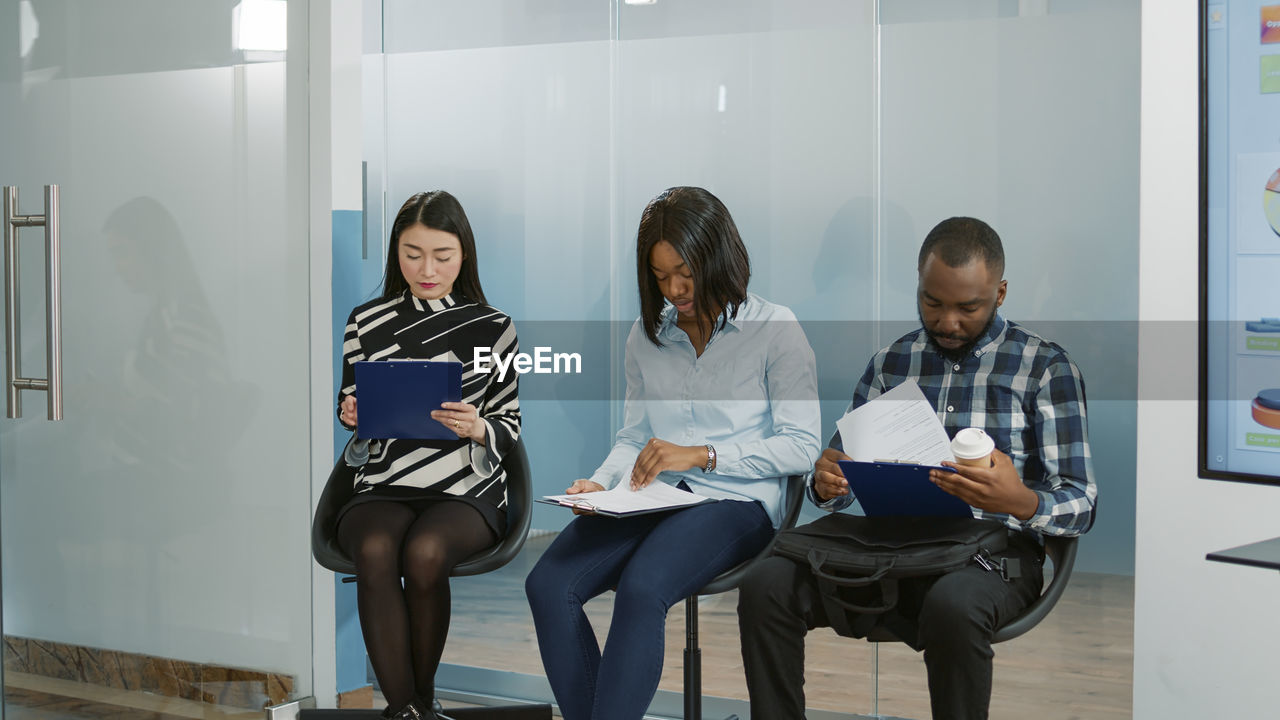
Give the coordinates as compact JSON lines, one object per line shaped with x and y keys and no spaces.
{"x":364,"y":210}
{"x":14,"y":382}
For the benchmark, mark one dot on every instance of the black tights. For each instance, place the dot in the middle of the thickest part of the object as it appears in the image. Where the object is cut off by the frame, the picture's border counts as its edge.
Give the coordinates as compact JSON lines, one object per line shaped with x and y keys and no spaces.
{"x":405,"y":626}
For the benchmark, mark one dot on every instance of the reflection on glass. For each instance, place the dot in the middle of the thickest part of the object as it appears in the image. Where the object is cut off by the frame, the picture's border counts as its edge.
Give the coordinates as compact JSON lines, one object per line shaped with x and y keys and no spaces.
{"x":156,"y":540}
{"x":260,"y":26}
{"x":176,"y":372}
{"x":28,"y":28}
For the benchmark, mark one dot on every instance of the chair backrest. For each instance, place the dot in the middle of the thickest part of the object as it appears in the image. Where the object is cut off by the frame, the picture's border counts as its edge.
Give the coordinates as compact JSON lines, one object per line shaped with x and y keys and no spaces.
{"x":792,"y":502}
{"x":340,"y":486}
{"x":519,"y":517}
{"x":324,"y":525}
{"x":1062,"y":552}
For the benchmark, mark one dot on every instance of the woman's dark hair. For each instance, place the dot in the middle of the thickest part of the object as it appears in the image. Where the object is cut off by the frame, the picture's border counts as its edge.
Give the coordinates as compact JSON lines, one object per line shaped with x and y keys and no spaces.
{"x":699,"y":227}
{"x":437,"y":210}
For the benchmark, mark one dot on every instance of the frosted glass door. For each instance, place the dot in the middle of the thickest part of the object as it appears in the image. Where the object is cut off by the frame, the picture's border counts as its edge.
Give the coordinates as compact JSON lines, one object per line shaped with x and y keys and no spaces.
{"x":156,"y":538}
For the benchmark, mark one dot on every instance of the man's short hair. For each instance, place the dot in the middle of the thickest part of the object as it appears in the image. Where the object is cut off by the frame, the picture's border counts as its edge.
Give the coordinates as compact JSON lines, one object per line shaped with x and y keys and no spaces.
{"x":958,"y":240}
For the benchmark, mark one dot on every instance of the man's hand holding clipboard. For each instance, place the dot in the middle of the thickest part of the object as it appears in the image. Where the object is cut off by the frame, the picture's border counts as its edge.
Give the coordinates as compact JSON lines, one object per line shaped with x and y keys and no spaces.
{"x":828,"y":480}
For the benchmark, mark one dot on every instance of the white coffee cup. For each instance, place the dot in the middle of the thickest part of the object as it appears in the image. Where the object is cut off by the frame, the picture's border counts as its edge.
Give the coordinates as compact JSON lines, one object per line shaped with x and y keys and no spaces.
{"x":973,"y":446}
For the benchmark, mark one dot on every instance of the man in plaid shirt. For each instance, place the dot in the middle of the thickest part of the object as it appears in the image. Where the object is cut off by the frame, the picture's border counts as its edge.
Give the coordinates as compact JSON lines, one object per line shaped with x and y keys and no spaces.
{"x":978,"y":370}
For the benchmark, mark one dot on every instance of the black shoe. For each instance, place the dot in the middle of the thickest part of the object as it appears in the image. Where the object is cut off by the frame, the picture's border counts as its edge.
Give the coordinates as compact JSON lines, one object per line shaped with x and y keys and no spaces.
{"x":412,"y":711}
{"x":436,"y":708}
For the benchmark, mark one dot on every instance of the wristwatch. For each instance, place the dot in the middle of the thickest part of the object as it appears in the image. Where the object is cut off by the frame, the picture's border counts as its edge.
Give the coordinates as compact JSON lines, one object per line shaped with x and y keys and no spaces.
{"x":711,"y":458}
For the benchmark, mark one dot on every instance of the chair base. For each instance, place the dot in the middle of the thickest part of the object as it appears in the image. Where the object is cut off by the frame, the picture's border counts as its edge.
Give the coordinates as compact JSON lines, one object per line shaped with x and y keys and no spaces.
{"x":504,"y":712}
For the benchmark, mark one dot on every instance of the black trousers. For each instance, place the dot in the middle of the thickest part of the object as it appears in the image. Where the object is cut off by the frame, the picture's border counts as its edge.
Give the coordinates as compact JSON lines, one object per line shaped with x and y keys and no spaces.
{"x":953,"y":617}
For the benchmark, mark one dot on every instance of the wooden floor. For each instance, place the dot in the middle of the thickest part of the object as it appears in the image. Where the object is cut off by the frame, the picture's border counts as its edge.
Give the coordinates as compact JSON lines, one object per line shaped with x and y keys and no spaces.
{"x":32,"y":697}
{"x":1078,"y":663}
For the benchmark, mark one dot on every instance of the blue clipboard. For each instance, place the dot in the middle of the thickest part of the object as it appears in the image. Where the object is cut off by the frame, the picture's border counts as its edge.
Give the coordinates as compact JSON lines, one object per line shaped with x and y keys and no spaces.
{"x":901,"y":489}
{"x":395,"y":398}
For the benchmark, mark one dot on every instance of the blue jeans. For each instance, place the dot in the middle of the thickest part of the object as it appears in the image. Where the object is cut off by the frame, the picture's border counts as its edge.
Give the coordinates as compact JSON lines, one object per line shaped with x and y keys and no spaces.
{"x":653,"y":561}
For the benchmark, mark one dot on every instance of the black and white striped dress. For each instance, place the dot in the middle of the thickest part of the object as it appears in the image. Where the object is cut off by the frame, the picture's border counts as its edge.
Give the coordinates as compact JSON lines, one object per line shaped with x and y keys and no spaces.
{"x":407,"y":328}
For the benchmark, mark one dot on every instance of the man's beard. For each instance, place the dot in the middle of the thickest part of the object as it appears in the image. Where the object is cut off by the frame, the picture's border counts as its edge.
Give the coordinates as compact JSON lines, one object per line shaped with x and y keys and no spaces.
{"x":962,"y":352}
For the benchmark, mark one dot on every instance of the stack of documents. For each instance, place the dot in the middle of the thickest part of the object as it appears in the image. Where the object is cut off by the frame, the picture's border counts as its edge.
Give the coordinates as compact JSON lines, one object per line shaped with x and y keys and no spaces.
{"x":895,"y":440}
{"x":898,"y":426}
{"x":622,"y":501}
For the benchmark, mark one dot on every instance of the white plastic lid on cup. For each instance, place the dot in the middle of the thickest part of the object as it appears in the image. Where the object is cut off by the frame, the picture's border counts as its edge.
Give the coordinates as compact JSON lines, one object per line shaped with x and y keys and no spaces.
{"x":972,"y":444}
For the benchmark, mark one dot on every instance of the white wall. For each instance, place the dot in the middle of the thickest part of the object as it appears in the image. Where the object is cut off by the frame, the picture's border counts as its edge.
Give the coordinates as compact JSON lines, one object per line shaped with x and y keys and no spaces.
{"x":345,"y":139}
{"x":1204,"y":632}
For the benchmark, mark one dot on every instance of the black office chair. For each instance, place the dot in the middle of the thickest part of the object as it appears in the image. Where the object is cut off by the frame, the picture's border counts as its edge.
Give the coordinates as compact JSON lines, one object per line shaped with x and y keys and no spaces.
{"x":726,"y":580}
{"x":340,"y":487}
{"x":324,"y":546}
{"x":1061,"y":551}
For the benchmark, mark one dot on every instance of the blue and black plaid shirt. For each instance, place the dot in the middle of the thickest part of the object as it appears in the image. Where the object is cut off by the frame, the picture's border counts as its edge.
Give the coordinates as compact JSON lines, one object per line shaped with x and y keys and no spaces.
{"x":1027,"y":395}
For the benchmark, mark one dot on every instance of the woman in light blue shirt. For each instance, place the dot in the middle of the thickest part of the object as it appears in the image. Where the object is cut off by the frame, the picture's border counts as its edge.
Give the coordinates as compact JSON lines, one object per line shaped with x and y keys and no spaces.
{"x":722,"y":400}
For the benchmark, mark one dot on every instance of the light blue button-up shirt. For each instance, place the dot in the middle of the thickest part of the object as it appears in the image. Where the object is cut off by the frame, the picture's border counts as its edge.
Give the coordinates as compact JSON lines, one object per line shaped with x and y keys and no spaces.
{"x":753,"y":394}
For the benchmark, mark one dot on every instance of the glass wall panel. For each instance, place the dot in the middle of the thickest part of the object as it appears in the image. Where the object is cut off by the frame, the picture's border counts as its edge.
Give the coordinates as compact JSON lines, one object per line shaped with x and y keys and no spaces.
{"x":1026,"y":115}
{"x":510,"y":111}
{"x":838,"y":134}
{"x":1010,"y":120}
{"x":157,"y":538}
{"x":770,"y":105}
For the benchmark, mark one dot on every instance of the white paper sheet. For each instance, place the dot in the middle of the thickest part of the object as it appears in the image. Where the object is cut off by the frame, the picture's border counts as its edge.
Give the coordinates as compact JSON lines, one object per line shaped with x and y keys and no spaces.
{"x":898,"y":426}
{"x":622,"y":499}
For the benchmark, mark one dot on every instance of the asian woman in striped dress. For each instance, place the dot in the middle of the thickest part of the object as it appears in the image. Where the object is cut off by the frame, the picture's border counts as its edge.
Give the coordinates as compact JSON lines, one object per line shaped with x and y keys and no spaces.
{"x":422,"y":506}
